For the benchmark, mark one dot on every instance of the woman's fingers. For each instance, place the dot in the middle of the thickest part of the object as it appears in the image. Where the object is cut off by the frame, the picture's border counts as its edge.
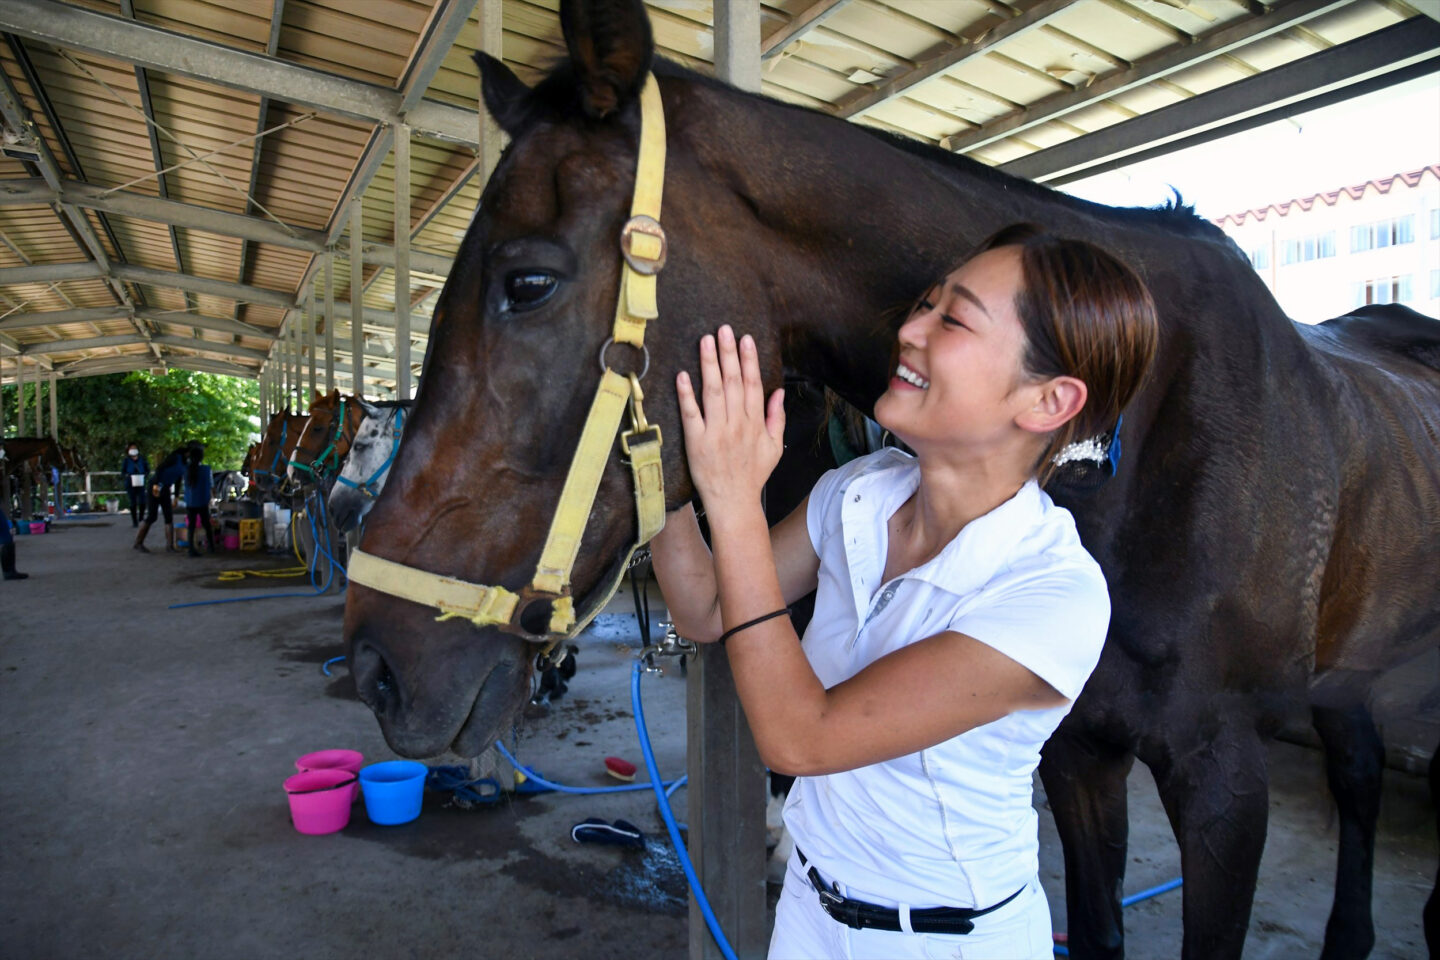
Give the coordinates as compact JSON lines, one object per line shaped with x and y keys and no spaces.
{"x":750,"y":373}
{"x":775,"y":418}
{"x":712,"y":386}
{"x":730,"y":370}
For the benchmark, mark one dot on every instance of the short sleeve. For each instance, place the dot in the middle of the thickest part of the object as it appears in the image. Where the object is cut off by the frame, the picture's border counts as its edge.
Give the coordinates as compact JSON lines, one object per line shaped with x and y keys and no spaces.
{"x":821,"y":497}
{"x":1051,"y":621}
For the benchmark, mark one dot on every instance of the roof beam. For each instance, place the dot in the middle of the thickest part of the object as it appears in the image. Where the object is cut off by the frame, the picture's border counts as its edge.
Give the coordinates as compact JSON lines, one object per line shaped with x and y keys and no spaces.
{"x":139,"y":44}
{"x":803,"y":22}
{"x":1031,"y":19}
{"x":89,"y":270}
{"x":1405,"y":46}
{"x":200,"y":320}
{"x":46,"y":318}
{"x":210,"y":346}
{"x":51,"y":273}
{"x":206,"y":365}
{"x":87,"y":343}
{"x":1280,"y":17}
{"x":99,"y":364}
{"x":203,"y":285}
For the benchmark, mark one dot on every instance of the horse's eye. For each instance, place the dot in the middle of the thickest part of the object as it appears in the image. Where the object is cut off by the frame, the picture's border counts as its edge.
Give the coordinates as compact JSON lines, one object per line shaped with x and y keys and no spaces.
{"x":527,"y":289}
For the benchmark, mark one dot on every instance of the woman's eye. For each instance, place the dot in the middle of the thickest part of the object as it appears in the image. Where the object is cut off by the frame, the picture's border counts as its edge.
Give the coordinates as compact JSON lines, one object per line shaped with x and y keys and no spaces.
{"x":527,"y":289}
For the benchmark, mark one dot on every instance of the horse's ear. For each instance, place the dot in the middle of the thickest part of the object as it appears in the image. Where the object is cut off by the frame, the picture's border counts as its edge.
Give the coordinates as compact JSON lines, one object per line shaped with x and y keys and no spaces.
{"x":370,"y":409}
{"x":610,"y":49}
{"x":506,"y":96}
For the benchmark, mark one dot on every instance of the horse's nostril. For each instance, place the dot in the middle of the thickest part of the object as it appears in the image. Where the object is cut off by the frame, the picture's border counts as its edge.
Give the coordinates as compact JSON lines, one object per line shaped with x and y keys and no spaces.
{"x":374,"y":680}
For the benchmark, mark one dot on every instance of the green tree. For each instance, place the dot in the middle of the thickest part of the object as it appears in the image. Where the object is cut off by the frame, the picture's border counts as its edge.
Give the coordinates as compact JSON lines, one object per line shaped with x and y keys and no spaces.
{"x":100,"y":415}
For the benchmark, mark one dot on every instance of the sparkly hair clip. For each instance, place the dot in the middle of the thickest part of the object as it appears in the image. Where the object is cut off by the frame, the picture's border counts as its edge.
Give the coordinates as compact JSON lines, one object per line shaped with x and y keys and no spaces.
{"x":1102,"y":450}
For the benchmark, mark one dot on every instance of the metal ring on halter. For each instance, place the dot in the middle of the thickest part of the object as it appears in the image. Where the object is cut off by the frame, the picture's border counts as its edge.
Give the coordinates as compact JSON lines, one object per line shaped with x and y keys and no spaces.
{"x":644,"y":350}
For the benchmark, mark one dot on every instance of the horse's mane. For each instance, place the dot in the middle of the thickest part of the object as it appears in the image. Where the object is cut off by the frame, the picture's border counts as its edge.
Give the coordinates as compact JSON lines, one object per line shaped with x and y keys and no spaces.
{"x":1175,"y":217}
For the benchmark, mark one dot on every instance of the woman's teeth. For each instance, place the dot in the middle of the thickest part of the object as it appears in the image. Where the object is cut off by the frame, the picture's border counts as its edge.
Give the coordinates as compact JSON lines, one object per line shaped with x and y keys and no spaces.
{"x":911,"y":377}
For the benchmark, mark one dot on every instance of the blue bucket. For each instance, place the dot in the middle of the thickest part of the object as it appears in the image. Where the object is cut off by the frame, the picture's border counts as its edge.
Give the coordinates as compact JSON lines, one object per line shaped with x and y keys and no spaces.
{"x":21,"y":529}
{"x":393,"y":790}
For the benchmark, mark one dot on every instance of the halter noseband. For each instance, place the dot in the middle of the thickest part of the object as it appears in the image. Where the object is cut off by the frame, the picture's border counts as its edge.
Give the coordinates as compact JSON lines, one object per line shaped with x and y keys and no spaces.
{"x":643,"y":247}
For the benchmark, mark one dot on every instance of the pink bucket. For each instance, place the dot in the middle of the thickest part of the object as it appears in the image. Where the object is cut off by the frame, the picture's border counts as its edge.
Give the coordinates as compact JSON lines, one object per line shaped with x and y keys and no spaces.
{"x":320,"y":800}
{"x":38,"y":526}
{"x":349,"y":760}
{"x":232,"y":541}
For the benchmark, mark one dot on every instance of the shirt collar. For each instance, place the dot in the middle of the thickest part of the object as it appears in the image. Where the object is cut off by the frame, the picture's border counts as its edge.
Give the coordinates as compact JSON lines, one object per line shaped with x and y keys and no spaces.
{"x":981,"y":549}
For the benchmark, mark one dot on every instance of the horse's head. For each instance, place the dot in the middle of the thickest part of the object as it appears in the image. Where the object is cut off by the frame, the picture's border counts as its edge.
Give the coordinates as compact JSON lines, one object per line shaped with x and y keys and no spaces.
{"x":362,"y":475}
{"x":268,"y":466}
{"x":523,"y":332}
{"x":325,"y":439}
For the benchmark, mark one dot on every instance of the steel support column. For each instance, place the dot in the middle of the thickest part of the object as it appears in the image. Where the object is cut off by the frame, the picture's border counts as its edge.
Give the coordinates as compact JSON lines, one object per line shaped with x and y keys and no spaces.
{"x":727,"y":780}
{"x":402,"y":262}
{"x":357,"y":301}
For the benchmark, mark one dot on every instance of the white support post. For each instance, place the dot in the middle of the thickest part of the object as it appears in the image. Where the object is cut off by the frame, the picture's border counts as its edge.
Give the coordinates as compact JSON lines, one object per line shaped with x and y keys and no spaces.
{"x":310,"y":340}
{"x":54,"y":416}
{"x":20,"y":397}
{"x":329,"y":320}
{"x":402,"y":261}
{"x":357,"y":300}
{"x":490,"y":16}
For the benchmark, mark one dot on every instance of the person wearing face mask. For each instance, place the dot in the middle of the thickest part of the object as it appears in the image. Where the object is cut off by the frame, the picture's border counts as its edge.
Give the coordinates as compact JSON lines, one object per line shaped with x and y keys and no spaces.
{"x":957,"y":615}
{"x":134,"y":468}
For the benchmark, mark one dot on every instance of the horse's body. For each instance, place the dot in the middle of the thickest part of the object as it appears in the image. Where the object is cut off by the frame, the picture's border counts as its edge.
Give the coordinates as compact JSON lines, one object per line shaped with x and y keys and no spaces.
{"x":362,"y":476}
{"x":325,"y":440}
{"x":1270,"y":540}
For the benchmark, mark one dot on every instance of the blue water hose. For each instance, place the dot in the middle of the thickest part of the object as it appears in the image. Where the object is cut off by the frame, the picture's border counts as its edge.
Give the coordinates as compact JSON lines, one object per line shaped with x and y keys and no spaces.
{"x":561,"y":788}
{"x":668,"y":815}
{"x":1165,"y":887}
{"x":321,"y":549}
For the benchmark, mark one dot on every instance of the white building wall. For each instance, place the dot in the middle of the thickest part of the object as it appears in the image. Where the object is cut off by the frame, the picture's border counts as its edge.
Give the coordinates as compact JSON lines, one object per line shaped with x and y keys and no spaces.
{"x":1312,"y":290}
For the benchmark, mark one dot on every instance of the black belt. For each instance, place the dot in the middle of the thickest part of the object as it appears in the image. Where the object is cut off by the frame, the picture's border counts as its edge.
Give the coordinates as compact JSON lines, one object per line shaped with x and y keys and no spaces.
{"x":862,"y":915}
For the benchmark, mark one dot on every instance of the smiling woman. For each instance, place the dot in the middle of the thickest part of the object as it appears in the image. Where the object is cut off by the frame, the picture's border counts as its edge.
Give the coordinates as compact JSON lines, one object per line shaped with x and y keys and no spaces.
{"x":957,"y":615}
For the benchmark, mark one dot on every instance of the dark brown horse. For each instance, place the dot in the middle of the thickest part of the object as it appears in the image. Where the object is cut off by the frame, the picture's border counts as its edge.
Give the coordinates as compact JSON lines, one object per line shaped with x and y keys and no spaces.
{"x":1269,"y":540}
{"x":325,"y":440}
{"x":277,"y":444}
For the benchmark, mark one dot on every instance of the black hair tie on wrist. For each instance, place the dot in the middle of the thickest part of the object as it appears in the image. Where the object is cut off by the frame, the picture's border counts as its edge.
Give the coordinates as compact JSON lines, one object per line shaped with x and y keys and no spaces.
{"x":783,"y":611}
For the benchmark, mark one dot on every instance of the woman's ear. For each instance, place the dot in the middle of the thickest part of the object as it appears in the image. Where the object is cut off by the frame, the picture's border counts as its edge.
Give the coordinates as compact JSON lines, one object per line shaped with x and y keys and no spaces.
{"x":1060,"y":400}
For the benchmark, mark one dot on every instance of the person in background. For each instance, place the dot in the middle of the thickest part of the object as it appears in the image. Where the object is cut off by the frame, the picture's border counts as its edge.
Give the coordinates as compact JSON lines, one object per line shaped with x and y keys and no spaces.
{"x":198,"y":490}
{"x":170,"y":472}
{"x":134,"y":468}
{"x":7,"y":550}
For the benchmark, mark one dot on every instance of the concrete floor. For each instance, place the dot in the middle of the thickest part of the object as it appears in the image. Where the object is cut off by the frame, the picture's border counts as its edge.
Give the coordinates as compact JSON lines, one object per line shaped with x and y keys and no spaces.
{"x":143,"y":751}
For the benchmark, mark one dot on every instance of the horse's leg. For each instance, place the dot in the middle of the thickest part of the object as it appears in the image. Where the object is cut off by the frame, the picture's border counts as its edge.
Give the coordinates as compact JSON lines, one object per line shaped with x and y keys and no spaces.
{"x":1354,"y":765}
{"x":1085,"y":786}
{"x":1216,"y":791}
{"x":1432,"y":906}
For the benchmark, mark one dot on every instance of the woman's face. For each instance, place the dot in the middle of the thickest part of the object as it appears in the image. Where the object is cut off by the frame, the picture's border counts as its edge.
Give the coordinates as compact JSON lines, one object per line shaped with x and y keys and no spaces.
{"x":133,"y":452}
{"x":960,"y":366}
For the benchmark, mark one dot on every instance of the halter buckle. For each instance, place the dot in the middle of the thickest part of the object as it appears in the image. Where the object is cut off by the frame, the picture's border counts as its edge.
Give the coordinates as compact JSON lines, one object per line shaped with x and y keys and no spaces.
{"x":638,"y":423}
{"x":643,"y":245}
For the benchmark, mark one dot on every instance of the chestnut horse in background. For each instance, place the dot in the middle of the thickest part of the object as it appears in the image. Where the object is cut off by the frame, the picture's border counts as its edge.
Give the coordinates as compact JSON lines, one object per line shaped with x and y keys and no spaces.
{"x":1270,"y":539}
{"x":325,"y":440}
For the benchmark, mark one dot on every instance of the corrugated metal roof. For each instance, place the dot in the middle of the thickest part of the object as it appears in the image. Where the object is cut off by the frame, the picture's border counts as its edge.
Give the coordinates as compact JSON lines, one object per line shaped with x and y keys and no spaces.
{"x":257,"y":177}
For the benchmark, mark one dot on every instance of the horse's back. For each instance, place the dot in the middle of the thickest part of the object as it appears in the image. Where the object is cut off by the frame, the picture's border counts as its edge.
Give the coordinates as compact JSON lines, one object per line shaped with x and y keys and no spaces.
{"x":1384,"y":334}
{"x":1379,"y":602}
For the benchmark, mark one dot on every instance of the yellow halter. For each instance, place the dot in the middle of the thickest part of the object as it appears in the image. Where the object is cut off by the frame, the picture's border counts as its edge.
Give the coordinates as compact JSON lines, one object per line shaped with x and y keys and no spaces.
{"x":642,"y":244}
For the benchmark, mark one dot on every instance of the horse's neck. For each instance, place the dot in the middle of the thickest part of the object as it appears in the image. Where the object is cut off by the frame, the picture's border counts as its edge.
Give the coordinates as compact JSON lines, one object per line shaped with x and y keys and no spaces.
{"x":853,"y":228}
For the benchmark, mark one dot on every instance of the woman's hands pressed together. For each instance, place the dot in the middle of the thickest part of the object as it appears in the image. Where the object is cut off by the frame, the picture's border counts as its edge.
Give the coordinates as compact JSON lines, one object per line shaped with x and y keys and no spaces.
{"x":733,"y":437}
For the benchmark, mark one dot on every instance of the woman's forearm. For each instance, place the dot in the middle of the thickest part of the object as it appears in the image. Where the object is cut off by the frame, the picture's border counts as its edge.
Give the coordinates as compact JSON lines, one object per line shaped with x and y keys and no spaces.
{"x":686,"y":574}
{"x":781,"y":695}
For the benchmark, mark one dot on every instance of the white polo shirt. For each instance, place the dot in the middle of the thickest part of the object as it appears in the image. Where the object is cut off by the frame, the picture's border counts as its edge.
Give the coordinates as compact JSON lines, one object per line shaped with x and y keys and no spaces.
{"x":951,"y":825}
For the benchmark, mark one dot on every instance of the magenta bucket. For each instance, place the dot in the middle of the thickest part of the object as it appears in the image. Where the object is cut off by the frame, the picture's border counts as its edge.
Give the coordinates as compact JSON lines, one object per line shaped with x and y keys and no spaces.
{"x":394,"y":790}
{"x":320,"y":800}
{"x":350,"y":760}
